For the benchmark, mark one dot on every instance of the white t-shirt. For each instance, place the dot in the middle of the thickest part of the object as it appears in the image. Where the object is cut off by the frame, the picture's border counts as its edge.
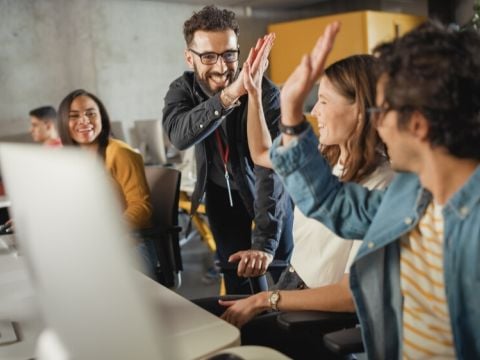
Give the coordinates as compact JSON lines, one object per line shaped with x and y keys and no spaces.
{"x":319,"y":256}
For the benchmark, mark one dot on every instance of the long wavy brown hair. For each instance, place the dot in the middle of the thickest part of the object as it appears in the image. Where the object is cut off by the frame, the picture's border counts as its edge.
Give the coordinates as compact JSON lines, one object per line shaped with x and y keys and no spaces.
{"x":354,"y":78}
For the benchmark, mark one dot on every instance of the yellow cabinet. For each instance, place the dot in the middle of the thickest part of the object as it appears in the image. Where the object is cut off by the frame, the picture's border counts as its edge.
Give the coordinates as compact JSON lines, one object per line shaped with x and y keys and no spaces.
{"x":359,"y":34}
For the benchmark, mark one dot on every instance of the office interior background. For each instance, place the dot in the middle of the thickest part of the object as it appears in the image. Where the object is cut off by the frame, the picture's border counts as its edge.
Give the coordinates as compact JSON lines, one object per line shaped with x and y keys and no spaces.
{"x":128,"y":51}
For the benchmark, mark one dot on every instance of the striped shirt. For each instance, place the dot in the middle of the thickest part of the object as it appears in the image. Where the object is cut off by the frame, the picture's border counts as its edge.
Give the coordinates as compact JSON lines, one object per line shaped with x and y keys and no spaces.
{"x":427,"y":333}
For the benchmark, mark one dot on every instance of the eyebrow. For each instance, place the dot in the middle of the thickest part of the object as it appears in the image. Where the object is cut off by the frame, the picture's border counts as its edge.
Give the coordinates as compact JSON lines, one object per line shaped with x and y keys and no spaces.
{"x":89,"y":109}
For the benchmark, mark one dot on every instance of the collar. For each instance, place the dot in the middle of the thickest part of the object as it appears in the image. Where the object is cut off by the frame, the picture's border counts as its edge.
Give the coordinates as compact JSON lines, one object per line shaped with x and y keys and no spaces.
{"x":465,"y":199}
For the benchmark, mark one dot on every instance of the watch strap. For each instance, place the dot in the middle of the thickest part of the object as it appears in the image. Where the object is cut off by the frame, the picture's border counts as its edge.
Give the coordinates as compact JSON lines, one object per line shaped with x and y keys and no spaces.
{"x":293,"y":130}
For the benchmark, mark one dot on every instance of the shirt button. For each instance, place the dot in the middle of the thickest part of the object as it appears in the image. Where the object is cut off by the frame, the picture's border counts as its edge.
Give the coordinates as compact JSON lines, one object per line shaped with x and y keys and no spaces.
{"x":291,"y":269}
{"x":371,"y":245}
{"x":216,"y":113}
{"x":408,"y":220}
{"x":201,"y":126}
{"x":464,"y":210}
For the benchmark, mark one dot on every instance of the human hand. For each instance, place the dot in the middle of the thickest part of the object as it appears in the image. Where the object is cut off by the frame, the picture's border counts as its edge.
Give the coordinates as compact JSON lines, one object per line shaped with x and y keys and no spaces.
{"x":257,"y":63}
{"x":241,"y":311}
{"x":301,"y":80}
{"x":251,"y":263}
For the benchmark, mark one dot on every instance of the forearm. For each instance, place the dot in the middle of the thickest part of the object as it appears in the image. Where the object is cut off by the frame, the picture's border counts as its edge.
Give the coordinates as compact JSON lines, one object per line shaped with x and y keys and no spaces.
{"x":335,"y":297}
{"x":259,"y":140}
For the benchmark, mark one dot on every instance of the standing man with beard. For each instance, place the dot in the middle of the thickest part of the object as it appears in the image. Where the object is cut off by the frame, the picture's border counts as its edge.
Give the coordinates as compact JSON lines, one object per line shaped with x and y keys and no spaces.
{"x":249,"y":212}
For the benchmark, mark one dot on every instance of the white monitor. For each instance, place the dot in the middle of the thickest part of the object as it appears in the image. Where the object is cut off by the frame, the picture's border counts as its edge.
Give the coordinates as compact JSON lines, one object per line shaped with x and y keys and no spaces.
{"x":69,"y":226}
{"x":150,"y":141}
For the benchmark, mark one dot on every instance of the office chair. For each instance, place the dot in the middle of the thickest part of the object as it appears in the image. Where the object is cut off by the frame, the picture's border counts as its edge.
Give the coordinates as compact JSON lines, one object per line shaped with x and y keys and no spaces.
{"x":344,"y":342}
{"x":340,"y":336}
{"x":164,"y":184}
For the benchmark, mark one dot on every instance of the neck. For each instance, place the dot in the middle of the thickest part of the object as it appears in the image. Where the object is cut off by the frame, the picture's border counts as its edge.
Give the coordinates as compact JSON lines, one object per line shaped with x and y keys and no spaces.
{"x":443,"y":174}
{"x":343,"y":154}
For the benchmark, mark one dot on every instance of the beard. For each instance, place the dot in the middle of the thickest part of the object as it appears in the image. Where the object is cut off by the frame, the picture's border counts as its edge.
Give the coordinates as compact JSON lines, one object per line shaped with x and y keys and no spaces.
{"x":203,"y":80}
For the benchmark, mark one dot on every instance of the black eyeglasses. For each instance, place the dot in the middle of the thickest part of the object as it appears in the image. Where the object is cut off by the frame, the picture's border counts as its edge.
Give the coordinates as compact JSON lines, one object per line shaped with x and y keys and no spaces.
{"x":375,"y":113}
{"x":211,"y":58}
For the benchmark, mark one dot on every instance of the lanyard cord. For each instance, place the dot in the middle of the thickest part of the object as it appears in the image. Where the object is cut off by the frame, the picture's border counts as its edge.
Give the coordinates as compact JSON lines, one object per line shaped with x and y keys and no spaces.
{"x":224,"y":154}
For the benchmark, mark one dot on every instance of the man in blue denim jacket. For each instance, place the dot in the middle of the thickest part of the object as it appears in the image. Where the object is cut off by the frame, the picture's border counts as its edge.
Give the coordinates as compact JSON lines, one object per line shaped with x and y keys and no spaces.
{"x":416,"y":278}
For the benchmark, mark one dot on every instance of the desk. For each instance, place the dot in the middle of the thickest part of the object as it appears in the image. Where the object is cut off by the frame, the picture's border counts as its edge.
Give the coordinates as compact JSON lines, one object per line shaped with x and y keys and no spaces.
{"x":18,"y":304}
{"x":195,"y":332}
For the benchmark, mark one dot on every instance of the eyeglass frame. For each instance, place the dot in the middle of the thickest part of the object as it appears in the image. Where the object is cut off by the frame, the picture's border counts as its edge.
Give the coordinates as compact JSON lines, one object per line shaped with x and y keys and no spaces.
{"x":375,"y":111}
{"x":201,"y":55}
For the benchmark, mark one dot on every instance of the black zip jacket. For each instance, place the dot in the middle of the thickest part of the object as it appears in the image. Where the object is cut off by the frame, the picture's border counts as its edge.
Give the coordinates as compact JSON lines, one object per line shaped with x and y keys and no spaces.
{"x":189,"y":117}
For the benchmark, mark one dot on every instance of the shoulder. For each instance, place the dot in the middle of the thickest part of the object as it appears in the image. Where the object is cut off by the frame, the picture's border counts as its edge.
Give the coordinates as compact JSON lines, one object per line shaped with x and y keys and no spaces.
{"x":380,"y":178}
{"x":269,"y":87}
{"x":117,"y":149}
{"x":186,"y":80}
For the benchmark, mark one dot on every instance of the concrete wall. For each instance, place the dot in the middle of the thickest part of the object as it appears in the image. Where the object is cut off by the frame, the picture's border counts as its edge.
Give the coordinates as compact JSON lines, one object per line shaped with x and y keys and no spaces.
{"x":126,"y":52}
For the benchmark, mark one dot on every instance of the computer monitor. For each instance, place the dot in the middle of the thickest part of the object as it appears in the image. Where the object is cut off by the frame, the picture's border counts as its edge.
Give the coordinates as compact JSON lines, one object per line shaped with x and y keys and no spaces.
{"x":69,"y":227}
{"x":150,"y":141}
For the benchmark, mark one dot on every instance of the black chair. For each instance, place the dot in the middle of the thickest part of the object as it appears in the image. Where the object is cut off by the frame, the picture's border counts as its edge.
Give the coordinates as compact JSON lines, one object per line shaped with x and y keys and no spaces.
{"x":345,"y":342}
{"x":164,"y":184}
{"x":323,"y":324}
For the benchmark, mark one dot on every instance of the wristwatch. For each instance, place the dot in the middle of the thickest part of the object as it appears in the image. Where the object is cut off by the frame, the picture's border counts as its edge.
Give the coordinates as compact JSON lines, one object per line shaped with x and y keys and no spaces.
{"x":293,"y":130}
{"x":273,"y":299}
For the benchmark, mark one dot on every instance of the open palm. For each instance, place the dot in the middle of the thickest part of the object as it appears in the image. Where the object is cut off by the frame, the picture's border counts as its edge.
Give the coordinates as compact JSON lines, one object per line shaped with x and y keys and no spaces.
{"x":300,"y":82}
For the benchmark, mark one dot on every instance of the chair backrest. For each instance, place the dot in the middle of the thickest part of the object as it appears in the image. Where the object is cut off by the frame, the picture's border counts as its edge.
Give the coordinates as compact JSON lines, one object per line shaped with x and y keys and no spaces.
{"x":164,"y":184}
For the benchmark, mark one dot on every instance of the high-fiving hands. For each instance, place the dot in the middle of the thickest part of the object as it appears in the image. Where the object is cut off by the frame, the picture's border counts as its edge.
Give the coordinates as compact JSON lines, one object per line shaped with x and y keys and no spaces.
{"x":254,"y":67}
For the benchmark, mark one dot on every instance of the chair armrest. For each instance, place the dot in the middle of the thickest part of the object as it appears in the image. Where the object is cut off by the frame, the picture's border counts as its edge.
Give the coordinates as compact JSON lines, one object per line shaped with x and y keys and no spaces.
{"x":319,"y":321}
{"x":344,"y":342}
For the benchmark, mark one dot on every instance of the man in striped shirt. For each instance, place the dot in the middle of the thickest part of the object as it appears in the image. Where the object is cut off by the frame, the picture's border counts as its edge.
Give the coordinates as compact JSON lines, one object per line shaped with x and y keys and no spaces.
{"x":416,"y":277}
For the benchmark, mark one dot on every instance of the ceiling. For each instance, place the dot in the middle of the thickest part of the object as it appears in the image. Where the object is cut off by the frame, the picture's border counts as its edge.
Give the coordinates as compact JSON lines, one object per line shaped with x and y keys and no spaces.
{"x":257,"y":4}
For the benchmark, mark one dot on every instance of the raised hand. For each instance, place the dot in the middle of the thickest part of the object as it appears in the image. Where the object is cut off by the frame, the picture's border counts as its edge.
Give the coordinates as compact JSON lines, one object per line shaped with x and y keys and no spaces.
{"x":256,"y":64}
{"x":300,"y":82}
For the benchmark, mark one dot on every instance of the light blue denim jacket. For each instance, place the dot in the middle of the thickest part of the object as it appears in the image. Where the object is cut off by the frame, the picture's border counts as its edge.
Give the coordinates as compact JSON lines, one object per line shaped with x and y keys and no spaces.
{"x":381,"y":218}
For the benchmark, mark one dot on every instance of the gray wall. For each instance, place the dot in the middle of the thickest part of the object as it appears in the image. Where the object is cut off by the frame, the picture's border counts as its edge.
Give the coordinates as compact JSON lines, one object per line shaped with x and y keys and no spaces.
{"x":126,"y":52}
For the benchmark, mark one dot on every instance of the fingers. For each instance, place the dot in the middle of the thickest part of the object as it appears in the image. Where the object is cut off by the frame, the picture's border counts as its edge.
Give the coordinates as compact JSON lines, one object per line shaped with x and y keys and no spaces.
{"x":253,"y":263}
{"x":323,"y":47}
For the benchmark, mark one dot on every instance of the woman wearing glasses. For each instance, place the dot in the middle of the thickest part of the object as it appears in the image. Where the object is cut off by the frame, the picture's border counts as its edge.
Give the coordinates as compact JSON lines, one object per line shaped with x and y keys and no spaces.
{"x":318,"y":276}
{"x":84,"y":122}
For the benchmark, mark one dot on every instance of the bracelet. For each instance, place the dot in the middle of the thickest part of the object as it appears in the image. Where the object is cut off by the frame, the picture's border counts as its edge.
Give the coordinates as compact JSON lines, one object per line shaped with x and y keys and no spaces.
{"x":295,"y":129}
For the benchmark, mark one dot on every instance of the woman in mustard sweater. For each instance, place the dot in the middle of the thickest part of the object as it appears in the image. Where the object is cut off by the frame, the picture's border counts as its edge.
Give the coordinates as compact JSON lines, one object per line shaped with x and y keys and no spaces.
{"x":84,"y":122}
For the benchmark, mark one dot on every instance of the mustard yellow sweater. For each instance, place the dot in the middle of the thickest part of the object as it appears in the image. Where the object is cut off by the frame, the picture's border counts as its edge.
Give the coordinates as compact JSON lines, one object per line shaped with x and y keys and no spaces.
{"x":127,"y":170}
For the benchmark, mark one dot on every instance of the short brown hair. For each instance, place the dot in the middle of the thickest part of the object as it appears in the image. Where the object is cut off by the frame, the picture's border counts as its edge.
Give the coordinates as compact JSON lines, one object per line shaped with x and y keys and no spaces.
{"x":210,"y":18}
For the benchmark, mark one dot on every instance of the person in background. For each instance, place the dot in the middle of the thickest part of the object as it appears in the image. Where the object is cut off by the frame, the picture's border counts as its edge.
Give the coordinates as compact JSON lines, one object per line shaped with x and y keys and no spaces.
{"x":318,"y":276}
{"x":207,"y":108}
{"x":84,"y":122}
{"x":43,"y":126}
{"x":415,"y":277}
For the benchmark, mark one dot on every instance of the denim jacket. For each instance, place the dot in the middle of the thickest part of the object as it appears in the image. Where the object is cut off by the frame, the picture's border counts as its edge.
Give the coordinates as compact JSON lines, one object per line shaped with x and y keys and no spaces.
{"x":382,"y":218}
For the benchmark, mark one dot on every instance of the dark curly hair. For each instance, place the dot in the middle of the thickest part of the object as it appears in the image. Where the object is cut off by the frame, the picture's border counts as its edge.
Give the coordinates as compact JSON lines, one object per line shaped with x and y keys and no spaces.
{"x":436,"y":71}
{"x":210,"y":18}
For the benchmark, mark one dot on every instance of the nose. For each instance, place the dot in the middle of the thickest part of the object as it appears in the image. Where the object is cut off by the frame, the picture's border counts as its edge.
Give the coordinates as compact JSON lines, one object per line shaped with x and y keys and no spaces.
{"x":316,"y":109}
{"x":220,"y":65}
{"x":84,"y":119}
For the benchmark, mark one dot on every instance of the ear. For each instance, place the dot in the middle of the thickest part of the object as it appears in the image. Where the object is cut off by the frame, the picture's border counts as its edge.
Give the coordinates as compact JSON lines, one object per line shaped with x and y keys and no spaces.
{"x":419,"y":126}
{"x":188,"y":58}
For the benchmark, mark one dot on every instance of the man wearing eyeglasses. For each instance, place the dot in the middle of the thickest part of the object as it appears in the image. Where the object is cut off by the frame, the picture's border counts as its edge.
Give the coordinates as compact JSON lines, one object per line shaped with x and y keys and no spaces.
{"x":248,"y":209}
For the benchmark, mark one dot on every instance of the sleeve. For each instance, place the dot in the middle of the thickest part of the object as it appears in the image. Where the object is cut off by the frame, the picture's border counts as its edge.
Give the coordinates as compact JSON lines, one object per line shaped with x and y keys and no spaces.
{"x":187,"y":122}
{"x":346,"y":208}
{"x":129,"y":173}
{"x":269,"y":191}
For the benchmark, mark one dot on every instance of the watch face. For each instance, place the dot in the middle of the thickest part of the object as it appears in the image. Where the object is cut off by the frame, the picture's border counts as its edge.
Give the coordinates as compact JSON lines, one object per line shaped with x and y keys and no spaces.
{"x":275,"y":297}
